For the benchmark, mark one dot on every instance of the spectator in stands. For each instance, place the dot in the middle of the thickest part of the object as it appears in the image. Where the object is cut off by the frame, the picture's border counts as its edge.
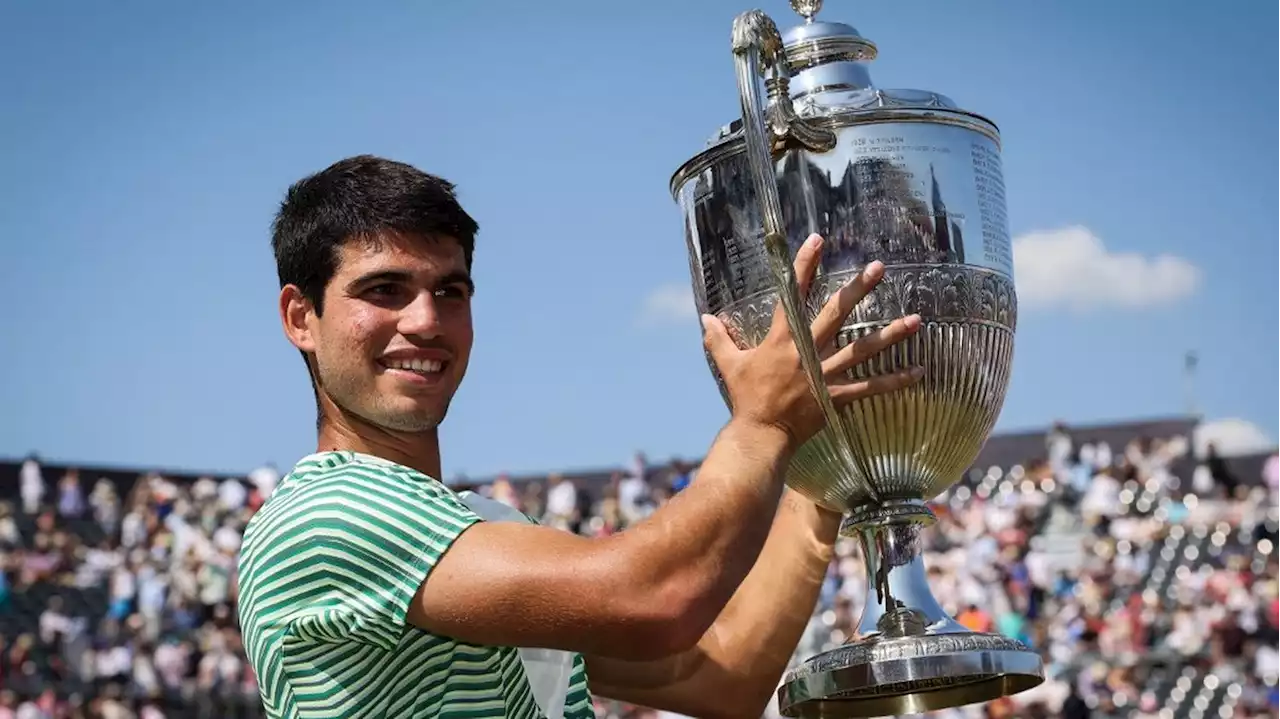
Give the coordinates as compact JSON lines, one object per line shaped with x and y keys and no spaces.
{"x":633,"y":496}
{"x":9,"y":537}
{"x":1223,"y":477}
{"x":70,"y":494}
{"x":106,"y":506}
{"x":1058,"y":446}
{"x":502,"y":491}
{"x":562,"y":502}
{"x":681,"y":476}
{"x":264,"y":479}
{"x":32,"y":485}
{"x":1073,"y":706}
{"x":1271,"y":474}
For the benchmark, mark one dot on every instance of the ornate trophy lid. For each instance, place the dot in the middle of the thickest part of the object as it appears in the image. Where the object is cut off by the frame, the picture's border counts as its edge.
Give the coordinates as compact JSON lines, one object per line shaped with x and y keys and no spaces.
{"x":825,"y":56}
{"x":830,"y":81}
{"x":821,"y":31}
{"x":821,"y":41}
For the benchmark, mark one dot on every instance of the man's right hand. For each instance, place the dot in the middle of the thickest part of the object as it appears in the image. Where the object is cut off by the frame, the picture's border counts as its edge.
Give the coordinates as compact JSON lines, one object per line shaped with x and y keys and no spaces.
{"x":767,"y":384}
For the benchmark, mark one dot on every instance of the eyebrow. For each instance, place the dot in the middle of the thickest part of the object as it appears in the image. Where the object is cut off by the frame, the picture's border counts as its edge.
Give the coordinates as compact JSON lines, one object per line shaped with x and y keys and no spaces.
{"x":459,"y":277}
{"x":455,"y":277}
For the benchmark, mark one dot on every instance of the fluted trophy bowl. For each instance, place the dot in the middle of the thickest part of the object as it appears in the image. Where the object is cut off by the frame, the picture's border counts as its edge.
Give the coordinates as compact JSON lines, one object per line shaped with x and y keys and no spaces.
{"x":908,"y":178}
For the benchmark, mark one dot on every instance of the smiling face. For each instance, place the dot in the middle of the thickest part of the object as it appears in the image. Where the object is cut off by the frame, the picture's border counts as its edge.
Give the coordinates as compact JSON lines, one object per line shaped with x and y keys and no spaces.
{"x":392,"y":343}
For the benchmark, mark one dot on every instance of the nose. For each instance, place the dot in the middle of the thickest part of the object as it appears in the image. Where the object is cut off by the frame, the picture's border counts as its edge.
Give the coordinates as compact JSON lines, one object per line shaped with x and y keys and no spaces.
{"x":421,"y":317}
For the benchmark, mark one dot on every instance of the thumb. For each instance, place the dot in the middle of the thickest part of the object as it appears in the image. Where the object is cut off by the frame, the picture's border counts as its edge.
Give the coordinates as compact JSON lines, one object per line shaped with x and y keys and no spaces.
{"x":716,"y":338}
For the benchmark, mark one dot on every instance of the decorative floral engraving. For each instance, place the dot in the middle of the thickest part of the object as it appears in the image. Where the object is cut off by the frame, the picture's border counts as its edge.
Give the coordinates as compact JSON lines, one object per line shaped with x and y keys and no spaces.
{"x":952,"y":293}
{"x":869,"y":652}
{"x":915,"y":443}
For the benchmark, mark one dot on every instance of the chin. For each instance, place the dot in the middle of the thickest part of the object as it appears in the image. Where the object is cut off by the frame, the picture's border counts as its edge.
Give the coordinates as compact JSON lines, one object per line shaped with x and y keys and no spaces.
{"x":417,"y":419}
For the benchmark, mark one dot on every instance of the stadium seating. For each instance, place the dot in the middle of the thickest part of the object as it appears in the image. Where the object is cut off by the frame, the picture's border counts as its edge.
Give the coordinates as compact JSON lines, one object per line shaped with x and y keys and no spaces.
{"x":1147,"y":597}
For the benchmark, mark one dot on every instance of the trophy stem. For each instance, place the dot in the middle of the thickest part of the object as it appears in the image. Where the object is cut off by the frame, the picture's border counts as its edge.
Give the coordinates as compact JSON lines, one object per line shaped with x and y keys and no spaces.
{"x":899,"y":602}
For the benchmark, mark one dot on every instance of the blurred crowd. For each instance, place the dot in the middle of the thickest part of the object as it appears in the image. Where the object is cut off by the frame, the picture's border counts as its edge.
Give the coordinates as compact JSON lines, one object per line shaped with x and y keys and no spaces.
{"x":135,"y":597}
{"x":1149,"y":595}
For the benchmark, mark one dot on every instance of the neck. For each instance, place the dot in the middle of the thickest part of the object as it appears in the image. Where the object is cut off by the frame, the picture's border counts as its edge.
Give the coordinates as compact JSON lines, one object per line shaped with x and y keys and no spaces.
{"x":343,"y":432}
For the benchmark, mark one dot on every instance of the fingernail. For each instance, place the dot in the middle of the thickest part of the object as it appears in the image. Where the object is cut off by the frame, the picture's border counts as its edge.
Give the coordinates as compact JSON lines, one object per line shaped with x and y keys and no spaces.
{"x":911,"y":321}
{"x":917,"y":372}
{"x":706,"y":321}
{"x":813,"y":241}
{"x":874,"y":266}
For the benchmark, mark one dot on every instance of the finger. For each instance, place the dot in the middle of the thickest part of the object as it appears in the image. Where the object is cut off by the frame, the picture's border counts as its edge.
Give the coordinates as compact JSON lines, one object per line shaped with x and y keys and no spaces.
{"x":883,"y":384}
{"x":868,"y":346}
{"x":833,"y":313}
{"x":805,"y":265}
{"x":716,"y":339}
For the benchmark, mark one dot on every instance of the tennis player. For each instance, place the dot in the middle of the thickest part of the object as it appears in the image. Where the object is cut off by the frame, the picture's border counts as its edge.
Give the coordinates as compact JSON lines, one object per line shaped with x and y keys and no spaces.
{"x":370,"y":589}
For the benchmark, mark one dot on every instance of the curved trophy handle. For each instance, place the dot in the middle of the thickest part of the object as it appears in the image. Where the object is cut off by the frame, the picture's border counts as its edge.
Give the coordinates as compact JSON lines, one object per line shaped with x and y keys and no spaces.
{"x":755,"y":41}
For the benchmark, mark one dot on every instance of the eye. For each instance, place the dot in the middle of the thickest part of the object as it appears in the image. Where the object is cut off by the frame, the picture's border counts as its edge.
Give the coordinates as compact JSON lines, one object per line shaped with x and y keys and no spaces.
{"x":453,"y":292}
{"x":383,"y":293}
{"x":383,"y":290}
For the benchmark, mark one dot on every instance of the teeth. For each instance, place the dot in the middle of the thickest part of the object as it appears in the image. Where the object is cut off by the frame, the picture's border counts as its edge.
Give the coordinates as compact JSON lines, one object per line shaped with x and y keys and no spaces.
{"x":417,"y":365}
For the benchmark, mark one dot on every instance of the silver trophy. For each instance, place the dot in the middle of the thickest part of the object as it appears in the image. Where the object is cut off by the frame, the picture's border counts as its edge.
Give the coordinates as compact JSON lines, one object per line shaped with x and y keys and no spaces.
{"x":908,"y":178}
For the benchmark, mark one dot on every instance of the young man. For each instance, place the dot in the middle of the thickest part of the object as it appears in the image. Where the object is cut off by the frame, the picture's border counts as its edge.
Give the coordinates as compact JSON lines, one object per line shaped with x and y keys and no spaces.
{"x":368,"y":588}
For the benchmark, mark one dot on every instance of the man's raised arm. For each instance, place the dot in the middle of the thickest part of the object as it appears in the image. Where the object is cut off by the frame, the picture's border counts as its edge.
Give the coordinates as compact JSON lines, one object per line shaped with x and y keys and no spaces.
{"x":646,"y":592}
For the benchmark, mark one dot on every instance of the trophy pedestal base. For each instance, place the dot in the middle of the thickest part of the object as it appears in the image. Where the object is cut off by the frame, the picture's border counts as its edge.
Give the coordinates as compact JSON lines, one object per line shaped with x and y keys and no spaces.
{"x":908,"y":655}
{"x":908,"y":675}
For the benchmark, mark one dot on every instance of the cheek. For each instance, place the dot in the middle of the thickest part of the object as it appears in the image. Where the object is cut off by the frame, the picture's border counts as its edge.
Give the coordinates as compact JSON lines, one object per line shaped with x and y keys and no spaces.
{"x":362,"y":328}
{"x":350,"y":337}
{"x":462,"y":332}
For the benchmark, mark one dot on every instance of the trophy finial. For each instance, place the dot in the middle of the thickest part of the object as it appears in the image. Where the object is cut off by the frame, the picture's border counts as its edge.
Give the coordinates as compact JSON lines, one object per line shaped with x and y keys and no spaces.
{"x":806,"y":8}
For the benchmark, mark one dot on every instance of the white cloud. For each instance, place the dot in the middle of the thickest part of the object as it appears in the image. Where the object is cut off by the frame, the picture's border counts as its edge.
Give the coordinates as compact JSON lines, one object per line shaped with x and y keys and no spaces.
{"x":1071,"y":268}
{"x":669,"y":305}
{"x":1232,"y":436}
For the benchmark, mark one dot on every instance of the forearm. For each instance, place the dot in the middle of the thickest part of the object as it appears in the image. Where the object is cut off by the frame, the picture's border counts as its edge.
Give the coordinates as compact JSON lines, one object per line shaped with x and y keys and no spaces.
{"x":750,"y":643}
{"x":696,"y":551}
{"x":736,"y":665}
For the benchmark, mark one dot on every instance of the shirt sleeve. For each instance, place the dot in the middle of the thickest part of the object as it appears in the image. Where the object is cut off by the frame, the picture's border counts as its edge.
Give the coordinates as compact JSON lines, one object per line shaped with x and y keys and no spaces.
{"x":379,"y":535}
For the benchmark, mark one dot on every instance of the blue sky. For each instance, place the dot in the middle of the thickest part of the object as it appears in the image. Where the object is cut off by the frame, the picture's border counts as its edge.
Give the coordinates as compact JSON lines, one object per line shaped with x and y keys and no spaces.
{"x":146,"y":145}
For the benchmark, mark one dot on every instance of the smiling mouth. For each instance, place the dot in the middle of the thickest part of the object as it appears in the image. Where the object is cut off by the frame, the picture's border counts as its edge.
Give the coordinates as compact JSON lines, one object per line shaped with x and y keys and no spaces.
{"x":421,"y":367}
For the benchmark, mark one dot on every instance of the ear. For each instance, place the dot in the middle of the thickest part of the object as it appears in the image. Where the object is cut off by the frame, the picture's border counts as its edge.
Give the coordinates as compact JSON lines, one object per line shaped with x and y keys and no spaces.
{"x":296,"y":314}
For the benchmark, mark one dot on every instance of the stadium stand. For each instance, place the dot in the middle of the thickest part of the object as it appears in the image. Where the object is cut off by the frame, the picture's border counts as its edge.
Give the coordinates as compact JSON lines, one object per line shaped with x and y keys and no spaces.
{"x":1146,"y":576}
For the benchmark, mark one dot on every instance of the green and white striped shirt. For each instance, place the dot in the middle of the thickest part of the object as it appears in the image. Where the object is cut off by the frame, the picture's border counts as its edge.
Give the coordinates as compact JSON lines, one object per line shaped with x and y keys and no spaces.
{"x":328,"y":568}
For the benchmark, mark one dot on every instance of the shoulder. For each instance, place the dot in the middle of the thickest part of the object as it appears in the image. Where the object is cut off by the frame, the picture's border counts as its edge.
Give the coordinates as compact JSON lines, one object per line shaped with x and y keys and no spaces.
{"x":345,"y":500}
{"x":342,"y":546}
{"x":347,"y":482}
